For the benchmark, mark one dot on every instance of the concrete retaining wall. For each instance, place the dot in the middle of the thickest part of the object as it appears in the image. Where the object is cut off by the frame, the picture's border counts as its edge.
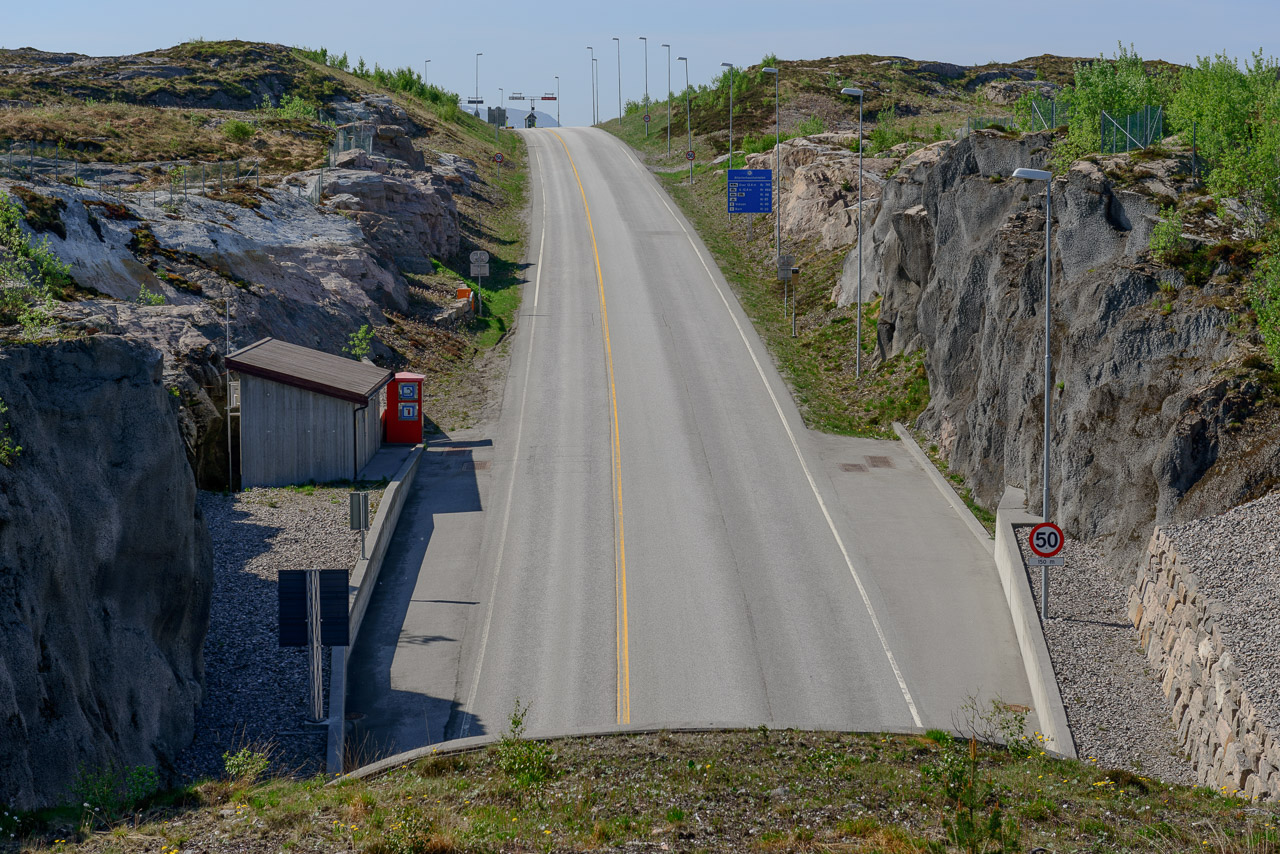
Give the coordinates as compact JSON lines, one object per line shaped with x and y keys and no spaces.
{"x":1217,"y":725}
{"x":363,"y":579}
{"x":1026,"y":624}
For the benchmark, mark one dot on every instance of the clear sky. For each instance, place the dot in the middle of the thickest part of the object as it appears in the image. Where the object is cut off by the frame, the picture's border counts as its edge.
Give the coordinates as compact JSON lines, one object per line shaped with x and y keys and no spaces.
{"x":525,"y":45}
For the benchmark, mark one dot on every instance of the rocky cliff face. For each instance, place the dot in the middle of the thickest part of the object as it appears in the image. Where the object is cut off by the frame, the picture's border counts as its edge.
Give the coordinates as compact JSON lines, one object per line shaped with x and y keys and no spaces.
{"x":1145,"y":421}
{"x":105,"y":568}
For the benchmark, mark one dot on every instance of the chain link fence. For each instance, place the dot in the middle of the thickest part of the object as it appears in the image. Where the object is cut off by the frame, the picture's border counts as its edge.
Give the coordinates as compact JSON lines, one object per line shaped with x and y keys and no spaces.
{"x":1135,"y":131}
{"x":352,"y":137}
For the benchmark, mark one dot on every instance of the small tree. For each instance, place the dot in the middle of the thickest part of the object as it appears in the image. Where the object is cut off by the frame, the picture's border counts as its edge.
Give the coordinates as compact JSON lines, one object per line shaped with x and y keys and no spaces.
{"x":360,"y":343}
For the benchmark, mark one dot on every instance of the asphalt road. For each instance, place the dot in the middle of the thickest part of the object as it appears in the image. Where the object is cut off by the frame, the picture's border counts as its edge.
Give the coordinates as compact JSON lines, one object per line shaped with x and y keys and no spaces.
{"x":649,"y":534}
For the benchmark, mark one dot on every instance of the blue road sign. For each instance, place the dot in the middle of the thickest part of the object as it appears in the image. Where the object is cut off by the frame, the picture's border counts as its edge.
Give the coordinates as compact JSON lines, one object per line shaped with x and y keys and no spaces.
{"x":750,"y":191}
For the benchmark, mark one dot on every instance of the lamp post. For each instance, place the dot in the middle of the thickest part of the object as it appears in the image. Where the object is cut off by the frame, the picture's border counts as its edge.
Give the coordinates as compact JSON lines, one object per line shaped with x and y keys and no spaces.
{"x":668,"y":47}
{"x":646,"y":83}
{"x":688,"y":114}
{"x":594,"y":117}
{"x":777,"y":147}
{"x":858,"y":358}
{"x":1047,"y":177}
{"x":729,"y":65}
{"x":557,"y":100}
{"x":478,"y":55}
{"x":619,"y":41}
{"x":596,"y":64}
{"x":426,"y":77}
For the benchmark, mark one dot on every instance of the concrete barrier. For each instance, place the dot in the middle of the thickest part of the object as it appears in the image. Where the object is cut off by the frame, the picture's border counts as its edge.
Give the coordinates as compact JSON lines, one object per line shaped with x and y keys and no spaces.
{"x":363,"y":579}
{"x":1026,"y":624}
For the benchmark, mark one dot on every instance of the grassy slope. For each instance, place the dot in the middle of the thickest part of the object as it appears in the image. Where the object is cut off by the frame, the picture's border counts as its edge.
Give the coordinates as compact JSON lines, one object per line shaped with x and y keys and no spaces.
{"x":739,"y":791}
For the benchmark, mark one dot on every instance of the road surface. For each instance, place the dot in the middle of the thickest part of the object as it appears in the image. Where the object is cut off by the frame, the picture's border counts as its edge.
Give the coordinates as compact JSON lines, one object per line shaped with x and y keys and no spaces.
{"x":649,"y":534}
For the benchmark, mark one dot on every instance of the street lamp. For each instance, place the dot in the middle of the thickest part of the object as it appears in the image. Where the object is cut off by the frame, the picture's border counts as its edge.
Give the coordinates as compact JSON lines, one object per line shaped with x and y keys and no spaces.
{"x":668,"y":47}
{"x":777,"y":147}
{"x":478,"y":55}
{"x":688,"y":115}
{"x":426,"y":77}
{"x":594,"y":117}
{"x":596,"y":64}
{"x":557,"y":100}
{"x":1047,"y":177}
{"x":646,"y":83}
{"x":858,"y":358}
{"x":619,"y":41}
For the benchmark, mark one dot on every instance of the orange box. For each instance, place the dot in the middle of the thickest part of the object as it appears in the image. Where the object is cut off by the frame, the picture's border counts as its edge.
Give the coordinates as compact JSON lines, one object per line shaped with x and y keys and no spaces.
{"x":464,"y":293}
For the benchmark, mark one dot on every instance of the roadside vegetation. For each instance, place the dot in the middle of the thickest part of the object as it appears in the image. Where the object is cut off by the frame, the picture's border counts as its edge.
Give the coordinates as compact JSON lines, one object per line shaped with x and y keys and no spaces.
{"x":753,"y":790}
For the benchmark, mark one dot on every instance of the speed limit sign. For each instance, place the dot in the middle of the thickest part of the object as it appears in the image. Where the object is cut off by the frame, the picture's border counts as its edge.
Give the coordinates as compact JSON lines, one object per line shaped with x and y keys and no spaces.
{"x":1046,"y":539}
{"x":498,"y":158}
{"x":689,"y":155}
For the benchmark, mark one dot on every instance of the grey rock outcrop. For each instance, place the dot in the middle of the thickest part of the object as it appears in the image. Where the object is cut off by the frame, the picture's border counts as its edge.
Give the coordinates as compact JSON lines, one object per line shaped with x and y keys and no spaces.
{"x":105,"y":569}
{"x":1140,"y":412}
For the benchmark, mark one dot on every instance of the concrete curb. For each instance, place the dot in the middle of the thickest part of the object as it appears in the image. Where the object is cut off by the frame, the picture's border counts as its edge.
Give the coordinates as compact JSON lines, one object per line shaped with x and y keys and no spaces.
{"x":975,"y":527}
{"x":1026,"y":624}
{"x":363,"y":579}
{"x":479,"y":742}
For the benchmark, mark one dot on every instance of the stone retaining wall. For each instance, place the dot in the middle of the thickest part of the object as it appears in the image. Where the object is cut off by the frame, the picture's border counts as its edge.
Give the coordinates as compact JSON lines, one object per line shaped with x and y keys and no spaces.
{"x":1218,"y":727}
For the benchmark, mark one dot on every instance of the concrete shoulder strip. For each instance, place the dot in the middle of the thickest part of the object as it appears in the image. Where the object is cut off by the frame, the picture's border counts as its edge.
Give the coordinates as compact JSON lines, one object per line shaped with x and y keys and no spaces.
{"x":918,"y":454}
{"x":1026,"y":624}
{"x":363,"y":579}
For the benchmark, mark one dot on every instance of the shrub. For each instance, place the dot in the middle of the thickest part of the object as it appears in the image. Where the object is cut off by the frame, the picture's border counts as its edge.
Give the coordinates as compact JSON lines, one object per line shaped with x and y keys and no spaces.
{"x":527,"y":762}
{"x":1166,"y":237}
{"x":810,"y":126}
{"x":246,"y":765}
{"x":1264,"y":297}
{"x":147,"y":297}
{"x":360,"y":343}
{"x":887,"y":131}
{"x":237,"y":131}
{"x":108,"y":791}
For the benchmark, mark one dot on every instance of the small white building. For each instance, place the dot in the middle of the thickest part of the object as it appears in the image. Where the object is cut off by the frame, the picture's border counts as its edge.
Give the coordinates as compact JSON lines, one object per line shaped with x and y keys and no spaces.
{"x":306,"y":415}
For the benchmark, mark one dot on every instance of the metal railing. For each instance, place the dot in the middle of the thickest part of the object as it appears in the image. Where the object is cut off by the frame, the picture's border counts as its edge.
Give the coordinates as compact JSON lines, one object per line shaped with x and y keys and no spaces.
{"x":1047,"y":114}
{"x":1139,"y":130}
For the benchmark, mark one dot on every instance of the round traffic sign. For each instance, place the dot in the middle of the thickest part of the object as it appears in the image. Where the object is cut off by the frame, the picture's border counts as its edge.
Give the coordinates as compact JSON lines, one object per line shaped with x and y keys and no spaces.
{"x":479,"y":257}
{"x":1046,"y":539}
{"x":498,"y":158}
{"x":646,"y":117}
{"x":688,"y":155}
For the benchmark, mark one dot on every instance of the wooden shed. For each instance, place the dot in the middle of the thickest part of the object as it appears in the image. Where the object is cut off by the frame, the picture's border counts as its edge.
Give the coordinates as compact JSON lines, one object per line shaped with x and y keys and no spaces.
{"x":306,"y":415}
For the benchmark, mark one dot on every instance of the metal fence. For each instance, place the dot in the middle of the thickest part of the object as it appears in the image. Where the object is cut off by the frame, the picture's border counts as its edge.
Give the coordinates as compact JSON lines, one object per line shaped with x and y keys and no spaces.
{"x":1139,"y":130}
{"x":350,"y":138}
{"x":1048,"y":114}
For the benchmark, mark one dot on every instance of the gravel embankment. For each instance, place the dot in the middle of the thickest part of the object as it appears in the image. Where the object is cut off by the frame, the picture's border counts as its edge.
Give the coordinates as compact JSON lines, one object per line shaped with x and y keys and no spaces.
{"x":1236,"y":556}
{"x":256,"y":692}
{"x":1118,"y":715}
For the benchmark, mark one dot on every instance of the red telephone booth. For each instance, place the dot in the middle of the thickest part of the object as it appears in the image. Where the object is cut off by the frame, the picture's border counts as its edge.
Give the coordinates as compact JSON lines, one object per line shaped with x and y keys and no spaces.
{"x":404,"y":409}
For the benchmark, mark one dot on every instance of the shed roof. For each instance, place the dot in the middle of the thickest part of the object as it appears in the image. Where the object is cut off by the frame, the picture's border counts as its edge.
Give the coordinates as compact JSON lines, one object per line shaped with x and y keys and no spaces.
{"x":309,"y":369}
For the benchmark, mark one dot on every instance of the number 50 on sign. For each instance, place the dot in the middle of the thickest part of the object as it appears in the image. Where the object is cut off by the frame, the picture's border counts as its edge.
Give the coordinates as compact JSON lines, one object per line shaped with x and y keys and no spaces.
{"x":1046,"y":541}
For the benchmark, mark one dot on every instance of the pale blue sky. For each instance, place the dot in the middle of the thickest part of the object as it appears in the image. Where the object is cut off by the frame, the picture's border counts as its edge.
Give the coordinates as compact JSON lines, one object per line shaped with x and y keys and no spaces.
{"x":526,"y":44}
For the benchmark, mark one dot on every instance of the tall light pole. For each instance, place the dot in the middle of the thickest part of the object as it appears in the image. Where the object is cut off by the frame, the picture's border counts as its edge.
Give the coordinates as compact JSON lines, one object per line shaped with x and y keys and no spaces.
{"x":426,"y":77}
{"x":619,"y":41}
{"x":594,"y":117}
{"x":729,"y":65}
{"x":668,"y":47}
{"x":557,"y":100}
{"x":1047,"y":177}
{"x":777,"y":147}
{"x":688,"y":112}
{"x":858,"y":333}
{"x":646,"y":83}
{"x":596,"y":64}
{"x":478,"y":55}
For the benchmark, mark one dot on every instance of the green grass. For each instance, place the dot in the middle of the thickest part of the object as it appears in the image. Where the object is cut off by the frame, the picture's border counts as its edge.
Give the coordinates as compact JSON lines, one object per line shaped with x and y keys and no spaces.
{"x":757,"y":790}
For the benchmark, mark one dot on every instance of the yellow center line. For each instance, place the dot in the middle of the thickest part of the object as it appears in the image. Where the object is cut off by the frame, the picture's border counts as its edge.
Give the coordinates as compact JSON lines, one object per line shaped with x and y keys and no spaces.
{"x":620,"y":555}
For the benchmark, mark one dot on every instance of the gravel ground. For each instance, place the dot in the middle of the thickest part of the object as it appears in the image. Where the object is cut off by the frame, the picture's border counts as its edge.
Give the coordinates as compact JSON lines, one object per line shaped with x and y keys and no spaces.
{"x":256,"y":692}
{"x":1118,"y":715}
{"x":1236,"y":556}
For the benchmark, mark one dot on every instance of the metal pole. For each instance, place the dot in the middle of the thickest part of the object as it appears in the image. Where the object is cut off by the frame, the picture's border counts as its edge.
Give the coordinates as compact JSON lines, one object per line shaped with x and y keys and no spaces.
{"x":646,"y":83}
{"x":596,"y":65}
{"x":668,"y":47}
{"x":777,"y":146}
{"x":557,"y":100}
{"x":426,"y":72}
{"x":313,"y":627}
{"x":1048,"y":380}
{"x":478,"y":55}
{"x":592,"y":72}
{"x":858,"y":358}
{"x":688,"y":113}
{"x":619,"y":41}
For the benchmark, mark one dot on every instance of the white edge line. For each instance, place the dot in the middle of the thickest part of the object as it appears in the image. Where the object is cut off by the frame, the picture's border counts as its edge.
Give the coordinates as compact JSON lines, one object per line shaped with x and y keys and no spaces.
{"x":511,"y":486}
{"x":857,"y":580}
